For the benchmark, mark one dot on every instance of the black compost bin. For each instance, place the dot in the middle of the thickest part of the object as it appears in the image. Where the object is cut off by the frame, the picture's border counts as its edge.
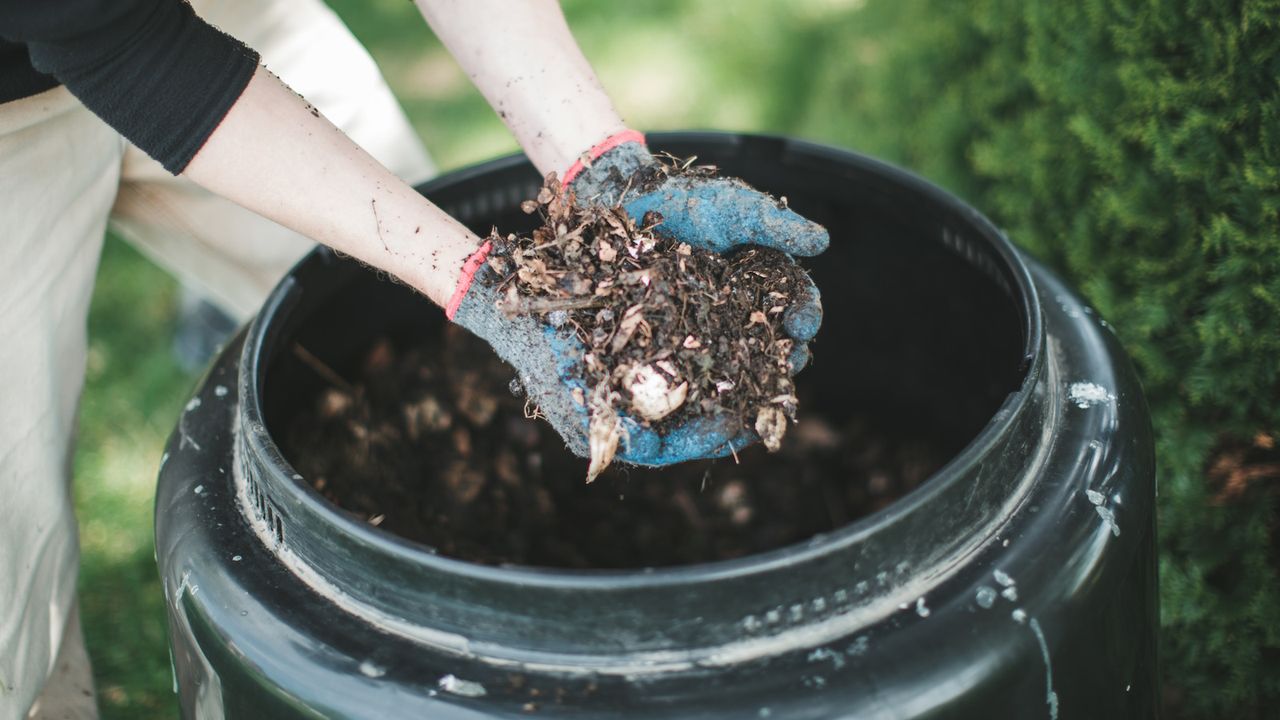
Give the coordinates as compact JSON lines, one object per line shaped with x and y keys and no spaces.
{"x":1018,"y":580}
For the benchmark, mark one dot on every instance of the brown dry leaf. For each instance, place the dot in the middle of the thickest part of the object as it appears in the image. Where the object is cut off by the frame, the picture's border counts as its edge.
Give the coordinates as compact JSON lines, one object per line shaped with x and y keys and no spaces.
{"x":619,"y":226}
{"x":334,"y":402}
{"x":771,"y":425}
{"x":631,"y":320}
{"x":653,"y":396}
{"x":463,"y":481}
{"x":499,"y":265}
{"x":426,"y":415}
{"x":534,"y":273}
{"x":606,"y":253}
{"x":476,"y":404}
{"x":604,"y":431}
{"x":575,"y":284}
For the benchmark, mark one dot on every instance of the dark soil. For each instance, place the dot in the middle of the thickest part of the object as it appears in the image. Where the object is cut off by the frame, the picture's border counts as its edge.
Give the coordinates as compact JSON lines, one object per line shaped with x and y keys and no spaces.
{"x":429,"y":443}
{"x":670,"y":332}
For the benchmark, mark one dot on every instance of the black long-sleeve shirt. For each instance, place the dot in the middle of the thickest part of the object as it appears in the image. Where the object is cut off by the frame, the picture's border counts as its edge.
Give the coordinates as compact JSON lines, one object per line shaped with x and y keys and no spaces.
{"x":152,"y":69}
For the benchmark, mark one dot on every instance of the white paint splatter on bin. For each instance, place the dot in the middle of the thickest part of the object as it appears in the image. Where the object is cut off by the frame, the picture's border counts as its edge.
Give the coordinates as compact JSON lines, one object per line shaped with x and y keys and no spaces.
{"x":1087,"y":394}
{"x":921,"y":610}
{"x":1051,"y":697}
{"x":1109,"y":517}
{"x":466,"y":688}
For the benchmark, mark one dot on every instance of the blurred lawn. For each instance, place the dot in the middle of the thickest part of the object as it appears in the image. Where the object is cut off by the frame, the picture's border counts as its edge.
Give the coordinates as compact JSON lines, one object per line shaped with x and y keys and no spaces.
{"x":745,"y":65}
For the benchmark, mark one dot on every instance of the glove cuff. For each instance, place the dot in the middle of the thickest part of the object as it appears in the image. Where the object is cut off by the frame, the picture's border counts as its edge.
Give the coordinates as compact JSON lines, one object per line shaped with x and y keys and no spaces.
{"x":600,"y":148}
{"x":469,"y":269}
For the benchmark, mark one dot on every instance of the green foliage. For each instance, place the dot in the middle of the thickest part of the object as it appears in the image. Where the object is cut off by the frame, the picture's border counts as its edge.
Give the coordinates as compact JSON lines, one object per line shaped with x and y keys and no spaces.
{"x":1135,"y":145}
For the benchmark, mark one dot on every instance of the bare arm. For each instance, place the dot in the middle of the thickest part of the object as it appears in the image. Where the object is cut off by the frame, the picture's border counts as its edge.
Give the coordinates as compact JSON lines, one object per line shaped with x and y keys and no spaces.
{"x":275,"y":154}
{"x":522,"y":57}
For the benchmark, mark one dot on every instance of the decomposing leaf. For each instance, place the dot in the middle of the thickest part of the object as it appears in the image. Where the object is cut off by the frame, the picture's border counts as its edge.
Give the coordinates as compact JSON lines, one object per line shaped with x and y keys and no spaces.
{"x":653,"y":395}
{"x":606,"y":252}
{"x":604,"y":431}
{"x":771,"y":425}
{"x":631,"y":320}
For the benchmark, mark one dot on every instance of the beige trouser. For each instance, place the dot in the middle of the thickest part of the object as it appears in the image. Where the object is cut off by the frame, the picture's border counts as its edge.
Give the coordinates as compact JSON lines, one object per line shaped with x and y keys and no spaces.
{"x":63,"y":175}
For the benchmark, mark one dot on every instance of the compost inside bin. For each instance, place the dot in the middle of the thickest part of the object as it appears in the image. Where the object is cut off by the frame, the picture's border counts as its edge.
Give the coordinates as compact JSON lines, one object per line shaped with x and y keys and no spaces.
{"x":429,"y":443}
{"x":407,"y":423}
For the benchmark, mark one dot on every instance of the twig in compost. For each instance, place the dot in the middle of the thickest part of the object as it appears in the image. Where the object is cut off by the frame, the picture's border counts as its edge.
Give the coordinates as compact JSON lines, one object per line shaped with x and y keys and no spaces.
{"x":322,"y":369}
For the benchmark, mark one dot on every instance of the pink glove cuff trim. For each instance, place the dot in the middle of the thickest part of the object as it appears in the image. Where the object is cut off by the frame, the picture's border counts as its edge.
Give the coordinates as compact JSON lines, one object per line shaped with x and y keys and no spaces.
{"x":469,"y":269}
{"x":603,"y":147}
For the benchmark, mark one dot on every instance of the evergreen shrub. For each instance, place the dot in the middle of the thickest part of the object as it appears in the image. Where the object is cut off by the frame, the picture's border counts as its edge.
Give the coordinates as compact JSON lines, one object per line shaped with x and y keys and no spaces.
{"x":1134,"y":145}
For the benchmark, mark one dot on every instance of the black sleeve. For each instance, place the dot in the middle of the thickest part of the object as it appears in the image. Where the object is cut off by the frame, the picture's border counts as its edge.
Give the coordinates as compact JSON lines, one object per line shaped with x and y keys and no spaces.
{"x":151,"y":69}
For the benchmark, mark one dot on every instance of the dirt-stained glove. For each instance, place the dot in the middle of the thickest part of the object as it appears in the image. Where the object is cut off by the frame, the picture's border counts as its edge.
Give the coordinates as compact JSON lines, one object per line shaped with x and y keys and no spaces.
{"x":547,"y":359}
{"x":714,"y":213}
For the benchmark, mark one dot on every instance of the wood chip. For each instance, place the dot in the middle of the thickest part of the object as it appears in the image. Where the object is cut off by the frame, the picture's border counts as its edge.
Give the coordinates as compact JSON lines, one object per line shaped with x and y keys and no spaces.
{"x":631,"y":320}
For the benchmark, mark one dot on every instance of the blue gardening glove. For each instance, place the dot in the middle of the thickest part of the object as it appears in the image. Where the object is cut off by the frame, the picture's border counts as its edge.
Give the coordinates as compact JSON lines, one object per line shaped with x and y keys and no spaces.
{"x":546,"y":358}
{"x":548,"y":362}
{"x":713,"y":213}
{"x":716,"y":214}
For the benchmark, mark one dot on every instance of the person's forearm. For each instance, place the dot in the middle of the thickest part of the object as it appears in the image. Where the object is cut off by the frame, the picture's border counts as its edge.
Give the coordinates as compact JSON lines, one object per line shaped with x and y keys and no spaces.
{"x":275,"y":154}
{"x":522,"y":57}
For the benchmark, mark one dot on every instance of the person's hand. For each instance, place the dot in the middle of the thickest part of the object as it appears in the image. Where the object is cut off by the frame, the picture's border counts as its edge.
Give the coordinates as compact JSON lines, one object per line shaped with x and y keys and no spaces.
{"x":713,"y":213}
{"x":548,"y":361}
{"x":707,"y":212}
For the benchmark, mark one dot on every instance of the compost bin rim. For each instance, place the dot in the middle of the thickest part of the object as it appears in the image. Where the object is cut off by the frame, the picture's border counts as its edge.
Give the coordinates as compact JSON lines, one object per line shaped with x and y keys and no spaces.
{"x":1026,"y":298}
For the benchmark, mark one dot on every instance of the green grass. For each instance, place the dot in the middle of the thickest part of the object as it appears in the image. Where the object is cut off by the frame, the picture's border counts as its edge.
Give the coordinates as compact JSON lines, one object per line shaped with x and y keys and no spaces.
{"x":133,"y":392}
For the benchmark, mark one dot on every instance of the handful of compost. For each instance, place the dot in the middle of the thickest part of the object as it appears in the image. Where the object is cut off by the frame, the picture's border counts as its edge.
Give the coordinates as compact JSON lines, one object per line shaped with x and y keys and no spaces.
{"x":645,"y":344}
